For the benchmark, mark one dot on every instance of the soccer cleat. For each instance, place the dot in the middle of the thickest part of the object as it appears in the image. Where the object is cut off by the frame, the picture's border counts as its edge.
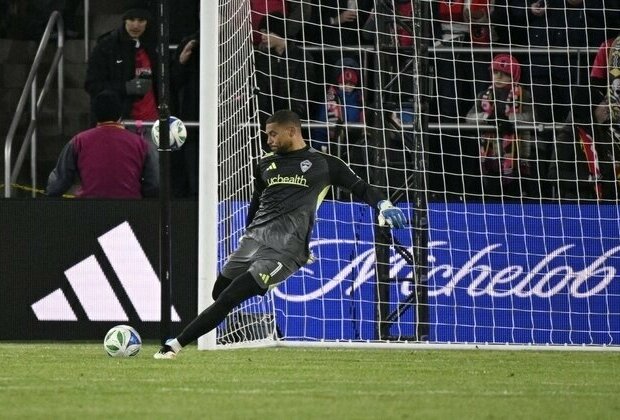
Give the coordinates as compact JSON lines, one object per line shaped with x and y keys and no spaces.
{"x":165,"y":352}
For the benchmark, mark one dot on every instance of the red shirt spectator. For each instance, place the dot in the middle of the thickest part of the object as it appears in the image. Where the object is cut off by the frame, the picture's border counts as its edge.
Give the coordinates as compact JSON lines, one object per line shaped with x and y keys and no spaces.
{"x":144,"y":108}
{"x":599,"y":66}
{"x":110,"y":161}
{"x":262,"y":8}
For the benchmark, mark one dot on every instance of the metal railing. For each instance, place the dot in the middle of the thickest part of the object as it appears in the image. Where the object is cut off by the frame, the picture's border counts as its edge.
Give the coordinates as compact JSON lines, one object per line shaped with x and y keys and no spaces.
{"x":36,"y":102}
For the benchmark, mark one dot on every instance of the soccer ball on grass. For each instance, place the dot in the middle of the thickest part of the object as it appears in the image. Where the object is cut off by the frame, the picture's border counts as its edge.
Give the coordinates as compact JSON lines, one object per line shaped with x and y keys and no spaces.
{"x":122,"y":341}
{"x":178,"y":133}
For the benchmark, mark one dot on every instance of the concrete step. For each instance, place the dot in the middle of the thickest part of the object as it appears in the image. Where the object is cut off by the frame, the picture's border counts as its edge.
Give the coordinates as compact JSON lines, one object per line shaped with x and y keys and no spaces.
{"x":45,"y":164}
{"x":75,"y":100}
{"x":17,"y":51}
{"x":10,"y":98}
{"x":14,"y":76}
{"x":5,"y":123}
{"x":74,"y":51}
{"x":47,"y":125}
{"x":23,"y":52}
{"x":75,"y":74}
{"x":72,"y":123}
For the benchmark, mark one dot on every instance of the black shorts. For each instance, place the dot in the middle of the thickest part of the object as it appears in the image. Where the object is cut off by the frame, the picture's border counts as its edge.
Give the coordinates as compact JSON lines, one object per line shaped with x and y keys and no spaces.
{"x":268,"y":266}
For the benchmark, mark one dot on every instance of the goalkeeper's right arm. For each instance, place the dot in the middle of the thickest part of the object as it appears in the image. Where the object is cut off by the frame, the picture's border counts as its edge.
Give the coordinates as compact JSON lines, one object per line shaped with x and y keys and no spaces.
{"x":342,"y":176}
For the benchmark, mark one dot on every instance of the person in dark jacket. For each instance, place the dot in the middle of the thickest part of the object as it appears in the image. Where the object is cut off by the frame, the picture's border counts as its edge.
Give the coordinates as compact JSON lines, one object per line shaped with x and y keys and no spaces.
{"x":285,"y":74}
{"x":185,"y":82}
{"x":555,"y":24}
{"x":585,"y":165}
{"x":125,"y":61}
{"x":110,"y":161}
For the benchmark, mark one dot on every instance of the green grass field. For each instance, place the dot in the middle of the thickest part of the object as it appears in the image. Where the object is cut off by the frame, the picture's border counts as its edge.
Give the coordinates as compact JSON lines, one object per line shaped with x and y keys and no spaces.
{"x":80,"y":381}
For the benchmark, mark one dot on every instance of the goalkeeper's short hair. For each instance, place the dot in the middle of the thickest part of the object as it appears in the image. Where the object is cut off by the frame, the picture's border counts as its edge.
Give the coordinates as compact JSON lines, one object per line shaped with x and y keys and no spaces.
{"x":285,"y":116}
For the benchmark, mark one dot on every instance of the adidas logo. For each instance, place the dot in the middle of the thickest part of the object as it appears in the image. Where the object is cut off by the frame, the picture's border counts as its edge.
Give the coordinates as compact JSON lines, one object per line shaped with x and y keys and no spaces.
{"x":272,"y":166}
{"x":266,"y":277}
{"x":93,"y":290}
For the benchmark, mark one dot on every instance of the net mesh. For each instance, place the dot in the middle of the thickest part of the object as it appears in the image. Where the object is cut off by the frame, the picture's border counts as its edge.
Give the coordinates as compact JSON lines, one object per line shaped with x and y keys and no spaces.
{"x":238,"y":145}
{"x":494,"y":125}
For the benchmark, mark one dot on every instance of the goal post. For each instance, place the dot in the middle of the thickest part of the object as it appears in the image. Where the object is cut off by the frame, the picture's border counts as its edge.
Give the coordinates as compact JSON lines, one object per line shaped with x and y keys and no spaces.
{"x":208,"y":197}
{"x":510,"y":243}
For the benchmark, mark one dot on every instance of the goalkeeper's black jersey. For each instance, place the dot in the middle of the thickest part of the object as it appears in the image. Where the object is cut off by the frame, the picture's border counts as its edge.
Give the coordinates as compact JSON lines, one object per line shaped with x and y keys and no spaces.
{"x":288,"y":189}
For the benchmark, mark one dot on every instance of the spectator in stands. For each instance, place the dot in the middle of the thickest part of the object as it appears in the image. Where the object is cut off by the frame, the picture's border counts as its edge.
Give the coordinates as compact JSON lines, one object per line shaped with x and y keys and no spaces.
{"x":295,"y":11}
{"x":603,"y":72}
{"x":125,"y":61}
{"x":392,"y":26}
{"x":185,"y":82}
{"x":586,"y":162}
{"x":505,"y":148}
{"x":285,"y":74}
{"x":339,"y":22}
{"x":557,"y":24}
{"x":184,"y":19}
{"x":551,"y":23}
{"x":110,"y":161}
{"x":344,"y":105}
{"x":584,"y":165}
{"x":592,"y":21}
{"x":459,"y":76}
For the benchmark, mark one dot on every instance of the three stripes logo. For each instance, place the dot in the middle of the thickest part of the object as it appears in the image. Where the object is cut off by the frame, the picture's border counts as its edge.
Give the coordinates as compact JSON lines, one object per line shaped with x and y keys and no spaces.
{"x":272,"y":166}
{"x":266,"y":277}
{"x":93,"y":289}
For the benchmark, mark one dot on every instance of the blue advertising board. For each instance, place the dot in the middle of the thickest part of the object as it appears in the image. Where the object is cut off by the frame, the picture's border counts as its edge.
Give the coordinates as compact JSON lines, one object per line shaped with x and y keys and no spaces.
{"x":506,"y":273}
{"x":525,"y":273}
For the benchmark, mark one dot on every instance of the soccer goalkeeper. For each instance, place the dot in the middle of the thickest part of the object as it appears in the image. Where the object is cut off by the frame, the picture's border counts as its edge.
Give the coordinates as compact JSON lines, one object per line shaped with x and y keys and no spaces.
{"x":289,"y":184}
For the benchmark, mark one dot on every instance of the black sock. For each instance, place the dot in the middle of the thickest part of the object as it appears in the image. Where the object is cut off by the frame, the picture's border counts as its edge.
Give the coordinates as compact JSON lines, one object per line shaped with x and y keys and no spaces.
{"x":241,"y":289}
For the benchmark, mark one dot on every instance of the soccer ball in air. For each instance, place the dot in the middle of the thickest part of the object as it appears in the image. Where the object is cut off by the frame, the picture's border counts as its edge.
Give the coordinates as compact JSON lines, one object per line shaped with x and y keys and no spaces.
{"x":178,"y":133}
{"x":122,"y":341}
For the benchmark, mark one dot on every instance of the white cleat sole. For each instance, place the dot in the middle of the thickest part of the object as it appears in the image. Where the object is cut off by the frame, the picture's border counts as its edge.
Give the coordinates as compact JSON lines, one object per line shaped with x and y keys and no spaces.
{"x":166,"y":355}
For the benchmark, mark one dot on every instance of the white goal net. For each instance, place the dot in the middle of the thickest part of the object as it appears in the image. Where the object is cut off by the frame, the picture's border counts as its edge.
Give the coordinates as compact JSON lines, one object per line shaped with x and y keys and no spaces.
{"x":494,"y":125}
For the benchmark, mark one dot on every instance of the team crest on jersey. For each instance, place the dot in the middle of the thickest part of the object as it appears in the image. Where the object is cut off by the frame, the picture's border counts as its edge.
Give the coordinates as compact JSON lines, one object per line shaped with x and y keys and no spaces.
{"x":305,"y":165}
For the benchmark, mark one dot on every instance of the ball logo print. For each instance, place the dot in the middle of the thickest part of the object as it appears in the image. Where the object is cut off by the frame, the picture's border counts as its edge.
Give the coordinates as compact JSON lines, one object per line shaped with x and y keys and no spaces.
{"x":122,"y":341}
{"x":178,"y":133}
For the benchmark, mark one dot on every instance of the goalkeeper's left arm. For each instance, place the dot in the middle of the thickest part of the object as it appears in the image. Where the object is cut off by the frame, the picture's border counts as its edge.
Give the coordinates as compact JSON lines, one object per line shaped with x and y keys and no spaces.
{"x":343,"y":177}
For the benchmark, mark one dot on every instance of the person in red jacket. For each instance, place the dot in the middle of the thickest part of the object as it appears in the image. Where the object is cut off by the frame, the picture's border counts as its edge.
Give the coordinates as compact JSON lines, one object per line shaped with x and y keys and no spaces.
{"x":110,"y":161}
{"x":506,"y":147}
